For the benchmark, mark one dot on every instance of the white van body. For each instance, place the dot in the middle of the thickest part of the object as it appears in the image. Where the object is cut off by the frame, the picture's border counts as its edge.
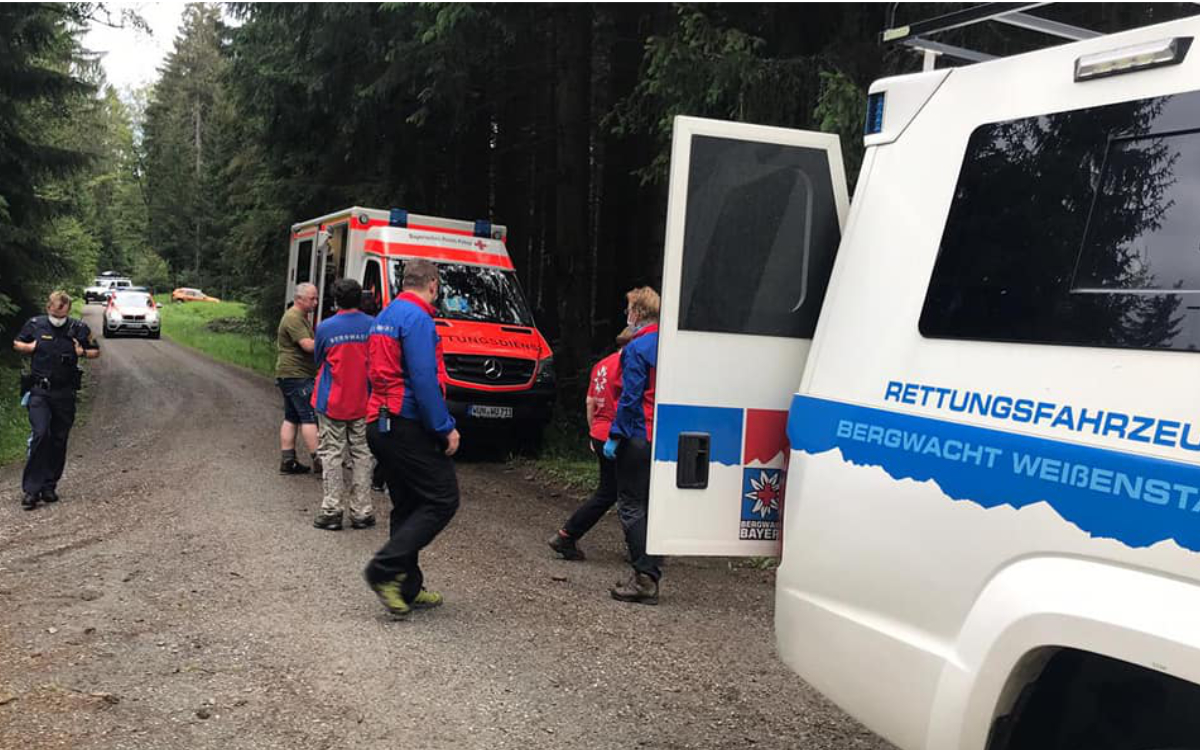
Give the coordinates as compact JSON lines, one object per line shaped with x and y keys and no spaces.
{"x":971,"y":494}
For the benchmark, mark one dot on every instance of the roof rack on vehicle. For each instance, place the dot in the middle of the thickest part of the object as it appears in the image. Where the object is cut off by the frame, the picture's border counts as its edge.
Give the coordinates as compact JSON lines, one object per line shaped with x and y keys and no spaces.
{"x":918,"y":35}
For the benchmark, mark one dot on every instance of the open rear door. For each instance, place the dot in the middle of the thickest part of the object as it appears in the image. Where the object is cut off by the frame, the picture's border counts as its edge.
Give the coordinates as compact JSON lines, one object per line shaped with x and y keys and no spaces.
{"x":753,"y":223}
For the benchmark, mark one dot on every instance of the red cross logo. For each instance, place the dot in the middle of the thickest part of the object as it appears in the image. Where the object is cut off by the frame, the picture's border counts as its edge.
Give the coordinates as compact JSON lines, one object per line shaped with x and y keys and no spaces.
{"x":479,"y":244}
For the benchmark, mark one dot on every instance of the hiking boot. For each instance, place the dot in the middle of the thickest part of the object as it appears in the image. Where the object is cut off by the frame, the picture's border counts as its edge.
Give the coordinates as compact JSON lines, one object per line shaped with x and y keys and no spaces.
{"x":427,"y":600}
{"x":48,"y":496}
{"x":639,"y":589}
{"x":565,"y":547}
{"x":331,"y":522}
{"x":365,"y":522}
{"x":389,"y":596}
{"x":29,"y":502}
{"x":292,"y":466}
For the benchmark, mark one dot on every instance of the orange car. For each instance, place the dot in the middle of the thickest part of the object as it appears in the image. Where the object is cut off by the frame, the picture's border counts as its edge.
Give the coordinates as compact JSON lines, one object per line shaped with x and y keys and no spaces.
{"x":184,"y":294}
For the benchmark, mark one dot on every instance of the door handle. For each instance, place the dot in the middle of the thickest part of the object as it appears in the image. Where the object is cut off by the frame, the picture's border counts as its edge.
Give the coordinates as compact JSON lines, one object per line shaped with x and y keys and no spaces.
{"x":691,"y":471}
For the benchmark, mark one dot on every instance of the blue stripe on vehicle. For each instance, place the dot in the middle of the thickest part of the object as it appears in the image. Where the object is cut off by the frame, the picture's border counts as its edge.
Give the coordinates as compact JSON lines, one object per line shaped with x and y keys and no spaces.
{"x":1134,"y":499}
{"x":723,"y":424}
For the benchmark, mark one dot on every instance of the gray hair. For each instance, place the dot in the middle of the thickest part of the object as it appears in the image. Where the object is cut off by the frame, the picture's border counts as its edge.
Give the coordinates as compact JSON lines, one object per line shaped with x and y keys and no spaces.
{"x":304,"y":288}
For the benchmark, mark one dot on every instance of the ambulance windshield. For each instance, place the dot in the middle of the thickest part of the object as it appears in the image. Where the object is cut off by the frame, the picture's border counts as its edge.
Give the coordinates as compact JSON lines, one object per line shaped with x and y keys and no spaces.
{"x":488,"y":295}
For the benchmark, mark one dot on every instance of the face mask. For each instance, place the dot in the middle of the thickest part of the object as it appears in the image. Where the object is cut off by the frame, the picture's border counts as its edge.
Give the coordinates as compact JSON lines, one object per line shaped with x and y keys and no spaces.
{"x":57,"y":322}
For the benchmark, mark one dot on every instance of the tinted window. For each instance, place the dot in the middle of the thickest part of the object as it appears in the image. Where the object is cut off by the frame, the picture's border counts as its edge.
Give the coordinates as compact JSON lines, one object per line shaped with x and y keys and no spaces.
{"x":304,"y":262}
{"x":475,"y":293}
{"x":372,"y":282}
{"x":759,"y":238}
{"x":1079,"y":227}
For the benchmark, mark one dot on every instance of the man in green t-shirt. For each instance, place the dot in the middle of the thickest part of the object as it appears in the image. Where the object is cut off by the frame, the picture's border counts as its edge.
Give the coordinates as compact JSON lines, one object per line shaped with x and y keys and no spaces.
{"x":294,"y":373}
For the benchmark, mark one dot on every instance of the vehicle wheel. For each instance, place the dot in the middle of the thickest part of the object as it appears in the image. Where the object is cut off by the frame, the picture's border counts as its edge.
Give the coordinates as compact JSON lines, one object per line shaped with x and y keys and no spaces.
{"x":107,"y":333}
{"x":156,"y":334}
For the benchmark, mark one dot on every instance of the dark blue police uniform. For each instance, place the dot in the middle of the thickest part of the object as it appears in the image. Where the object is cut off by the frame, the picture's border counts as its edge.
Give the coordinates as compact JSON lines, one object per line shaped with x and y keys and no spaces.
{"x":52,"y":387}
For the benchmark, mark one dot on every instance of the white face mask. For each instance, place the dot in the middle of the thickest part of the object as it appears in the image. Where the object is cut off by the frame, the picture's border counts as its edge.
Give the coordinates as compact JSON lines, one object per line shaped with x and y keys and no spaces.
{"x":57,"y":322}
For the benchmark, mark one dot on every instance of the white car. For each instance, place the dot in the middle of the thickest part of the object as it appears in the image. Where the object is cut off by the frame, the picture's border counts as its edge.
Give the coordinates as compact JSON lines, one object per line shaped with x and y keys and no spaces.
{"x":132,"y":312}
{"x":102,"y":286}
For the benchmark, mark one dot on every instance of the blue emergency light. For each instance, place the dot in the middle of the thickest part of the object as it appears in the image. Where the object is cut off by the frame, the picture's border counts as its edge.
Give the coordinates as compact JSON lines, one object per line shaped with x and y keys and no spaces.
{"x":483,"y":228}
{"x":874,"y":122}
{"x":398,"y":218}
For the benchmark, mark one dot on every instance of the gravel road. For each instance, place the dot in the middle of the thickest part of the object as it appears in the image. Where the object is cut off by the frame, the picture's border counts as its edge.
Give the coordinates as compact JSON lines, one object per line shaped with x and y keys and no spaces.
{"x":178,"y":597}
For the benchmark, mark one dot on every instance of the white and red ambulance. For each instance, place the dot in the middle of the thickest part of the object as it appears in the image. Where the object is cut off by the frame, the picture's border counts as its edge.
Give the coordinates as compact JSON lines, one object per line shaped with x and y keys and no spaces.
{"x":500,"y":367}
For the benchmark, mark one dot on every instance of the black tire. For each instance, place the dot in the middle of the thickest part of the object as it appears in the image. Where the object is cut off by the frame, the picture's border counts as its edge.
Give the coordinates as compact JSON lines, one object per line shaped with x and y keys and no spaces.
{"x":156,"y":334}
{"x":107,"y":334}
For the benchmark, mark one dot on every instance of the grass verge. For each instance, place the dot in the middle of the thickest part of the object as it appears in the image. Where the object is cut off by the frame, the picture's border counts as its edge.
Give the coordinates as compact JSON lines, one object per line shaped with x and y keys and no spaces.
{"x":221,"y":331}
{"x":14,"y":420}
{"x":564,"y":460}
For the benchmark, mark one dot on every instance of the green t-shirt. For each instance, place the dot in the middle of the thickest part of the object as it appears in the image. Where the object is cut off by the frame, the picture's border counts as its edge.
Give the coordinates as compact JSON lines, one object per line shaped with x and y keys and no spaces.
{"x":294,"y":362}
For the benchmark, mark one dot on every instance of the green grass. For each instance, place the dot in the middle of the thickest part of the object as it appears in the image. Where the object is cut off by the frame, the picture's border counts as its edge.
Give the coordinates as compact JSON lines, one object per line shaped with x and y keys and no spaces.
{"x":189,"y":324}
{"x":14,"y":420}
{"x":564,"y":459}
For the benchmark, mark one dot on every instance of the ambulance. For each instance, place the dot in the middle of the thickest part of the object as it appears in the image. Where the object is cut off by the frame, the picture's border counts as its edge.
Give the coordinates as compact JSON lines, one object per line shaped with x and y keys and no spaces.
{"x":964,"y":409}
{"x":500,"y":368}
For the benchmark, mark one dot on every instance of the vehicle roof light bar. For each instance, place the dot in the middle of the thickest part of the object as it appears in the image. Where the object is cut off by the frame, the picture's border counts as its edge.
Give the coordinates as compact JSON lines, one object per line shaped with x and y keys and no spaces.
{"x":1130,"y":59}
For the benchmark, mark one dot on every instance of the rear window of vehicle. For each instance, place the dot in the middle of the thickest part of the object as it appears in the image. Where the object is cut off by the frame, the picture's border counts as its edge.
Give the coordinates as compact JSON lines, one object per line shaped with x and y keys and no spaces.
{"x":759,"y":239}
{"x":489,"y":295}
{"x":1078,"y":227}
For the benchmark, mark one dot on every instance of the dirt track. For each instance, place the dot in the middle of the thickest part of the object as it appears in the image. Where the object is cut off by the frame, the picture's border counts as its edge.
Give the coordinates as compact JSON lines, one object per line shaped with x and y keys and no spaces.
{"x":178,"y":597}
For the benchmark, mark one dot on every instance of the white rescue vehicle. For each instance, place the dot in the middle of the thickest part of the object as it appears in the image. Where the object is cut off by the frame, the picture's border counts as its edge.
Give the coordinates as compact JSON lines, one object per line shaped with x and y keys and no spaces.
{"x":990,"y":441}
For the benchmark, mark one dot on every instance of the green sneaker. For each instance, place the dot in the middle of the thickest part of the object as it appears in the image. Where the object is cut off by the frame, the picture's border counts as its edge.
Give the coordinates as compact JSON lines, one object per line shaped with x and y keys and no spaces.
{"x":427,"y":600}
{"x":389,"y":596}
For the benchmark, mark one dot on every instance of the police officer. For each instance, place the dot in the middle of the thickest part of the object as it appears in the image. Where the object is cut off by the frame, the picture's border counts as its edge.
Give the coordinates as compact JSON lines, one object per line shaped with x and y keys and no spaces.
{"x":56,"y":342}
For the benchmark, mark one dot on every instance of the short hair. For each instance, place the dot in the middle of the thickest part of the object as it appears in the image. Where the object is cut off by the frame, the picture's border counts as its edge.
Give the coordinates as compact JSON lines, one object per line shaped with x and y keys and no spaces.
{"x":59,"y":297}
{"x":418,"y":274}
{"x":644,"y":302}
{"x":347,"y":294}
{"x":303,"y":288}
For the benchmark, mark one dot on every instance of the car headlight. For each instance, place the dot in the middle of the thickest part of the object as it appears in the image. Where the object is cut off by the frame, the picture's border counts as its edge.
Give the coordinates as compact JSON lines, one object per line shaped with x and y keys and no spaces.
{"x":114,"y":316}
{"x":546,"y":370}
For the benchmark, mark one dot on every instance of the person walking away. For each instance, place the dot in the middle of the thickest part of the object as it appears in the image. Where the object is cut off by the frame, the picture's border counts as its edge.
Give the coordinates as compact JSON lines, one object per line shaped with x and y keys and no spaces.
{"x":294,"y":372}
{"x":55,"y":341}
{"x":340,"y":400}
{"x":411,"y":432}
{"x":629,"y":444}
{"x":601,"y":405}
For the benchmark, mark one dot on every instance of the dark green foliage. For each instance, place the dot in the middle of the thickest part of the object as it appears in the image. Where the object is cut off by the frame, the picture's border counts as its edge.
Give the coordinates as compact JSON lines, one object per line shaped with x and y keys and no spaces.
{"x":37,"y":94}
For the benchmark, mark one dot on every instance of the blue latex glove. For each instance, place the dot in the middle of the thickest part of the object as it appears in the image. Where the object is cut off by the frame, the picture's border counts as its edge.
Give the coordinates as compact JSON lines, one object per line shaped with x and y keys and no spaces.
{"x":610,"y":449}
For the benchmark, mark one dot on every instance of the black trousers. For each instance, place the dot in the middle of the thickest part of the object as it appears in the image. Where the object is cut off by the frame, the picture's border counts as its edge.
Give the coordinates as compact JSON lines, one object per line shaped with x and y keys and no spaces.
{"x":605,"y":496}
{"x":424,"y":492}
{"x":633,"y":490}
{"x":51,"y":415}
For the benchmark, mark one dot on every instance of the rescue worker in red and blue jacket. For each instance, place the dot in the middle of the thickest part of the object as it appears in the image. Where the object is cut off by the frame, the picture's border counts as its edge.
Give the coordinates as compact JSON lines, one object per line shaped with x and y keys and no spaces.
{"x":629,"y":442}
{"x":340,"y":400}
{"x":411,"y":432}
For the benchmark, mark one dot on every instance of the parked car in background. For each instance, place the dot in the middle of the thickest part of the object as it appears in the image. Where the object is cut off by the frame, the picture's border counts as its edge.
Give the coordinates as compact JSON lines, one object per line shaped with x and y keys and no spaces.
{"x":102,"y":285}
{"x":132,"y":312}
{"x":185,"y":294}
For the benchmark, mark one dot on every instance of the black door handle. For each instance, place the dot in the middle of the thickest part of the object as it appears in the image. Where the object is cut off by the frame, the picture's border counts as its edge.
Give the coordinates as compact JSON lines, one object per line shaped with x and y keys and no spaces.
{"x":691,"y":472}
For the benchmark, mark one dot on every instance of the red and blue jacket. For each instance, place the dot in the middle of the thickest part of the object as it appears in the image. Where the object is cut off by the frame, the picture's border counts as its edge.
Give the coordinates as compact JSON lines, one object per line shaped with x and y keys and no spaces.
{"x":407,"y":373}
{"x":635,"y":409}
{"x":340,"y":351}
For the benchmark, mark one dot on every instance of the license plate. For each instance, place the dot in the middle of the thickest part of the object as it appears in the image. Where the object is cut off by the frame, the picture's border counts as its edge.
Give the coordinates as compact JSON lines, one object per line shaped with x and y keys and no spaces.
{"x":490,"y":412}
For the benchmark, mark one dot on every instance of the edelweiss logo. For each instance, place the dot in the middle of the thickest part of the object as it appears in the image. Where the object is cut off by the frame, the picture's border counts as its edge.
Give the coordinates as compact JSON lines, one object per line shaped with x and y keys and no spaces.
{"x":765,"y":493}
{"x":601,"y":380}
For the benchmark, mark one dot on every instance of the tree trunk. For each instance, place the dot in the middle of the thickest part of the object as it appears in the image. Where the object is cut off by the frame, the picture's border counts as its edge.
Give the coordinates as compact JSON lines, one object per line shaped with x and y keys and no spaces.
{"x":572,"y":92}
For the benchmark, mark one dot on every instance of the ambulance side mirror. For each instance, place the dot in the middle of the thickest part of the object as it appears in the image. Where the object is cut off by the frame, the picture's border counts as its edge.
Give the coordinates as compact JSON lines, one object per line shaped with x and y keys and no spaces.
{"x":323,"y":240}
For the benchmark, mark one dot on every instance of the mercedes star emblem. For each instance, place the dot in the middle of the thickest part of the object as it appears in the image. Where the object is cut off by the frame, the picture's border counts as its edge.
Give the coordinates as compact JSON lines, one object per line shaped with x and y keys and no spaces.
{"x":492,"y":369}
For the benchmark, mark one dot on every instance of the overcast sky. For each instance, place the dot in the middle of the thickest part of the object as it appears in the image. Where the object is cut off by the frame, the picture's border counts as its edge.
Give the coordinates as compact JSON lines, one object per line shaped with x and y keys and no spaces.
{"x":131,"y":57}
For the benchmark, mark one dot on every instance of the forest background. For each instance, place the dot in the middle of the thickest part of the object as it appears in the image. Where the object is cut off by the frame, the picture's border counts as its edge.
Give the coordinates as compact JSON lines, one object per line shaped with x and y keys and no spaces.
{"x":553,"y":119}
